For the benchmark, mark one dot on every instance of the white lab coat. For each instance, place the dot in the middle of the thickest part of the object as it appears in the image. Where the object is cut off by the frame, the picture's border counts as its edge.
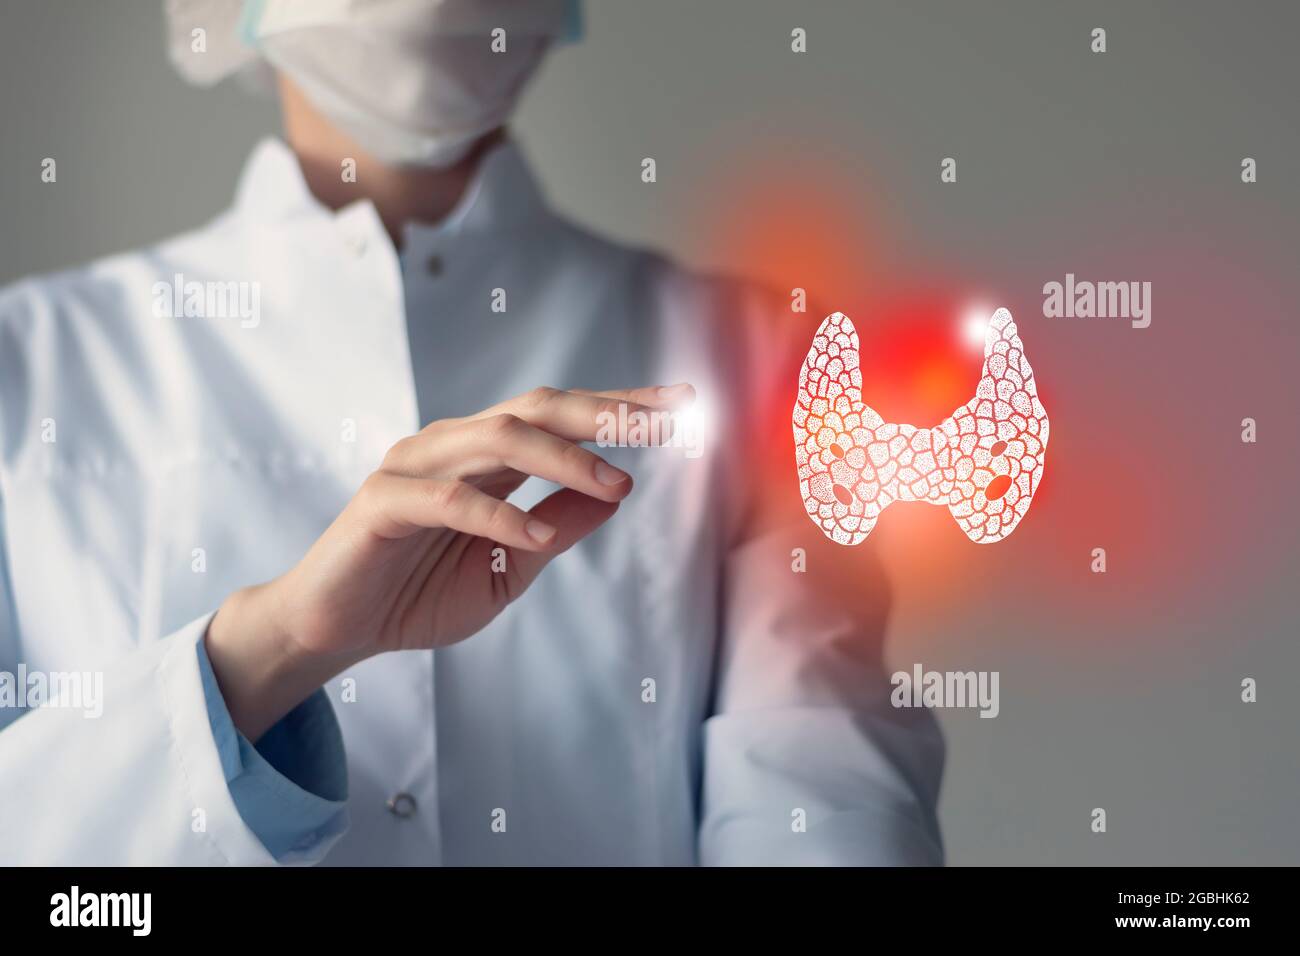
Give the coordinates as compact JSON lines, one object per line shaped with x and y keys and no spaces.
{"x":151,"y":465}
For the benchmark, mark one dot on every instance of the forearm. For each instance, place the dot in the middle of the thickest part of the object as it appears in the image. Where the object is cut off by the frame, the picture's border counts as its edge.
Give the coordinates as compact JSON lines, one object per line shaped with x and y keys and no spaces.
{"x":806,"y":761}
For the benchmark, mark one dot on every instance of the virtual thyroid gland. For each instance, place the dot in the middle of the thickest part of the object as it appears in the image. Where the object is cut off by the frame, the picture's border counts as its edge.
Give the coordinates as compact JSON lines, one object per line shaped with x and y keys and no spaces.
{"x":984,"y":461}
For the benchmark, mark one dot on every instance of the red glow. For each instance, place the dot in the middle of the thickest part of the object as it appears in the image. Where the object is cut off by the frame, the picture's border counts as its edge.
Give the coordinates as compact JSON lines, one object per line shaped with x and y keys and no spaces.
{"x":916,"y":367}
{"x":1126,"y":470}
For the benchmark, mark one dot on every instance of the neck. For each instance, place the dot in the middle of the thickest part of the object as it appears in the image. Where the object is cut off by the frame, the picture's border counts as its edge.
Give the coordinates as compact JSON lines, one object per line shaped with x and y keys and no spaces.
{"x":400,"y":194}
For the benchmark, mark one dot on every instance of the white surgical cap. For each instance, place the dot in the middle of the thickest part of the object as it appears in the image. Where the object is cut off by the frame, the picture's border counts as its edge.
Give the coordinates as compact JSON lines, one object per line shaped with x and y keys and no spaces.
{"x":209,"y":40}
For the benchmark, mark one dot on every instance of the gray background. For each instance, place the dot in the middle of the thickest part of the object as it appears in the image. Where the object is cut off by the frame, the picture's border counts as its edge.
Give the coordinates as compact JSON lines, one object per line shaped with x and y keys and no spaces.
{"x":1119,"y":692}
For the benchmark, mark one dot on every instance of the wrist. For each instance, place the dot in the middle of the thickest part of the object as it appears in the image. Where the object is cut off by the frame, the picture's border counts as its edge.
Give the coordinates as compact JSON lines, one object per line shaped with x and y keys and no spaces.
{"x":262,"y":671}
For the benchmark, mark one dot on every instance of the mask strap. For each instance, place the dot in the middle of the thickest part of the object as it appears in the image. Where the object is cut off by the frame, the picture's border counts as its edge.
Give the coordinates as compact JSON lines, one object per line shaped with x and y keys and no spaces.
{"x":572,"y":31}
{"x":249,"y":18}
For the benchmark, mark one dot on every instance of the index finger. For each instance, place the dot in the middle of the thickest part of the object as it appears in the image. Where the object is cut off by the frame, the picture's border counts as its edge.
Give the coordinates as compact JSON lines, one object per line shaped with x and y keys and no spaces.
{"x":571,"y":415}
{"x":654,"y":396}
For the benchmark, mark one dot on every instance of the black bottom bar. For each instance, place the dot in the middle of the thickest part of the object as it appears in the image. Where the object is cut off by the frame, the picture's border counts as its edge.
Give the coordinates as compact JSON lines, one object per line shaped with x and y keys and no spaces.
{"x":328,"y":906}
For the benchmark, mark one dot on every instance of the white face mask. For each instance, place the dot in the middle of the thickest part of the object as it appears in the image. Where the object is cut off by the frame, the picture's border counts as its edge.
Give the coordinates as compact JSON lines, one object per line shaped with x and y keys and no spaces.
{"x":414,"y":82}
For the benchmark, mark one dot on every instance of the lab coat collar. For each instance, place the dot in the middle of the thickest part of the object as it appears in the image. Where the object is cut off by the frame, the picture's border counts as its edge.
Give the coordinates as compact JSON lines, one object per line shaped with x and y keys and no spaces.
{"x":272,"y":186}
{"x":503,"y":194}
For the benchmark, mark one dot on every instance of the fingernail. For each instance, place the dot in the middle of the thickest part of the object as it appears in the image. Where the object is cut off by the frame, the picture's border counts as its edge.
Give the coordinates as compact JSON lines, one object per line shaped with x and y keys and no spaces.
{"x":539,"y":531}
{"x":607,"y":474}
{"x":673,"y":392}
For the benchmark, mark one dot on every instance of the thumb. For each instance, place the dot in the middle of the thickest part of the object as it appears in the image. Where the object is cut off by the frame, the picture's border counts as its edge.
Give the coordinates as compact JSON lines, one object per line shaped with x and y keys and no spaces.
{"x":574,"y":516}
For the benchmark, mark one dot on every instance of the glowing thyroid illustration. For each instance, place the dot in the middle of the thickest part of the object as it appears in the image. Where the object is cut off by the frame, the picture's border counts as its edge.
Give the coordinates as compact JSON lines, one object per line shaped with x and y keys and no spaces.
{"x":984,"y":462}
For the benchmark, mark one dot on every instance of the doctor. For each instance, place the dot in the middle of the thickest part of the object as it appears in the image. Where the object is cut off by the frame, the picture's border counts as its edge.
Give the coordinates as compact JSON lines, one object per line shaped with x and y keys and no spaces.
{"x":307,"y":489}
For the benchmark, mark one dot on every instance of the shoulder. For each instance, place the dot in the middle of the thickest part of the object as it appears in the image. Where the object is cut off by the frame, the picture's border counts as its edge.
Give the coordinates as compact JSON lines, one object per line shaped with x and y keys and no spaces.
{"x":743,"y":340}
{"x":66,"y":335}
{"x":101,"y":291}
{"x":722,"y":309}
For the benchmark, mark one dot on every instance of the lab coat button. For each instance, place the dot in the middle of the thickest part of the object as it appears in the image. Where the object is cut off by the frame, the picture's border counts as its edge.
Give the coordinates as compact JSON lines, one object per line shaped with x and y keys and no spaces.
{"x":402,"y":805}
{"x":358,"y":245}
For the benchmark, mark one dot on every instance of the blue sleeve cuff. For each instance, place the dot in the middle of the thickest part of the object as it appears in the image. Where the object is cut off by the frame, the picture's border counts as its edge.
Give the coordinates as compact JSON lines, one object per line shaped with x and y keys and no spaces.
{"x":291,"y":789}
